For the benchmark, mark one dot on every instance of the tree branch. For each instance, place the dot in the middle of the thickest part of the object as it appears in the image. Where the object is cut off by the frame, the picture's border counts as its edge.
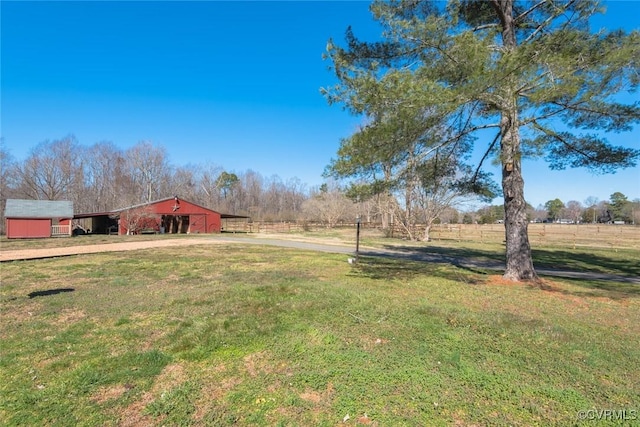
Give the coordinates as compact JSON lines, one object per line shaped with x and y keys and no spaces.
{"x":486,"y":154}
{"x":531,"y":9}
{"x":559,"y":138}
{"x":484,"y":27}
{"x":549,"y":19}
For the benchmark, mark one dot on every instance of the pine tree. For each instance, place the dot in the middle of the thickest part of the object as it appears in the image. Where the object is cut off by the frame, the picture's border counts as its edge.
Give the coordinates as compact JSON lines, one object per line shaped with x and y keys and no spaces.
{"x":517,"y":67}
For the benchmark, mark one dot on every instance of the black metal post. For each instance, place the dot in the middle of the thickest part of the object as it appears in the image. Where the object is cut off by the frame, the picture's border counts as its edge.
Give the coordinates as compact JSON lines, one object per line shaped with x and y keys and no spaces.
{"x":357,"y":238}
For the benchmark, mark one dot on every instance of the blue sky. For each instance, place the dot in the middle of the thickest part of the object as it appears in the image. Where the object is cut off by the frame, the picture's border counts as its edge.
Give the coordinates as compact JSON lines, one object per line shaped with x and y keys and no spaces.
{"x":235,"y":84}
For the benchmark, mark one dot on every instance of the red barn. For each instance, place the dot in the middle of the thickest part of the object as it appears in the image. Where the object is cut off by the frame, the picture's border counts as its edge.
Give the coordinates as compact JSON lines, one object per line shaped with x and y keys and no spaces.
{"x":171,"y":215}
{"x":29,"y":219}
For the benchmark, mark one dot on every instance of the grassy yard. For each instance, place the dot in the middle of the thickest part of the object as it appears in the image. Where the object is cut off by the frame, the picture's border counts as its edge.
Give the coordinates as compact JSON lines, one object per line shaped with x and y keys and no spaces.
{"x":250,"y":335}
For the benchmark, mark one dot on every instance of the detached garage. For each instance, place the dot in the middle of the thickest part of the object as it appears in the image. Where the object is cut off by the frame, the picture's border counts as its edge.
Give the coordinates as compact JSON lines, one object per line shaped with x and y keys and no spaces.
{"x":32,"y":219}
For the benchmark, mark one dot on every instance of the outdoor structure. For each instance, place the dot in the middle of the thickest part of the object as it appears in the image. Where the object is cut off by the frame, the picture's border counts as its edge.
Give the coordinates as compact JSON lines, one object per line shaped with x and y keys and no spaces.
{"x":166,"y":216}
{"x":172,"y":215}
{"x":96,"y":223}
{"x":30,"y":219}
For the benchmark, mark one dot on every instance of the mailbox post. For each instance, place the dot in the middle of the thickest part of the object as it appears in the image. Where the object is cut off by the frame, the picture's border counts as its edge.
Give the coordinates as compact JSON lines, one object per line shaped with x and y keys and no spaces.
{"x":357,"y":238}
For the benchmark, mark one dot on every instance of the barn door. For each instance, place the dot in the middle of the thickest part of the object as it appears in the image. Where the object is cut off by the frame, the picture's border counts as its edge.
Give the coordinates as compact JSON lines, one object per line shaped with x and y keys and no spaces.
{"x":198,"y":224}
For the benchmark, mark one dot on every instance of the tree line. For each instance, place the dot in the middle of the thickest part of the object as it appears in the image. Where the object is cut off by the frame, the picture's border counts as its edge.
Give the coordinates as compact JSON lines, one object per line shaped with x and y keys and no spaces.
{"x":102,"y":177}
{"x":618,"y":209}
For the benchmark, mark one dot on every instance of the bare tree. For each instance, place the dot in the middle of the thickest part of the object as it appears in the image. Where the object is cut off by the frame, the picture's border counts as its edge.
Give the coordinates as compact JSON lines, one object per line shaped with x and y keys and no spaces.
{"x":591,"y":213}
{"x":573,"y":210}
{"x":136,"y":220}
{"x":329,"y":205}
{"x":104,"y":177}
{"x":148,"y":168}
{"x":211,"y":193}
{"x":184,"y":182}
{"x":253,"y":183}
{"x":53,"y":170}
{"x":294,"y":196}
{"x":7,"y":180}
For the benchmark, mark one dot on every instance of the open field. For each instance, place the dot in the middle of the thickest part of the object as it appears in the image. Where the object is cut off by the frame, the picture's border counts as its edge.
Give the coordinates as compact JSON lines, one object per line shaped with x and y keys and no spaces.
{"x":540,"y":235}
{"x":607,"y":236}
{"x":252,"y":335}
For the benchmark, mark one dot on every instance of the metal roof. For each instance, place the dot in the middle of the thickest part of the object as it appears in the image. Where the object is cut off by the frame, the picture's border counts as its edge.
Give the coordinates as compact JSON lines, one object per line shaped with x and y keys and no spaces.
{"x":19,"y":208}
{"x":146,"y":204}
{"x":160,"y":201}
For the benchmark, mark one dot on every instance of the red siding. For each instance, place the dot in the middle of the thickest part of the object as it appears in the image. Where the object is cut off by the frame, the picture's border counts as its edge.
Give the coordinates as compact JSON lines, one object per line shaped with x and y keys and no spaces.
{"x":201,"y":220}
{"x":19,"y":228}
{"x":197,"y":223}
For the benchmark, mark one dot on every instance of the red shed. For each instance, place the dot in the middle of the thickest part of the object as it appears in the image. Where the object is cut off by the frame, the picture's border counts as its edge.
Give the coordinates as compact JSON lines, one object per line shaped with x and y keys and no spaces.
{"x":28,"y":219}
{"x":171,"y":215}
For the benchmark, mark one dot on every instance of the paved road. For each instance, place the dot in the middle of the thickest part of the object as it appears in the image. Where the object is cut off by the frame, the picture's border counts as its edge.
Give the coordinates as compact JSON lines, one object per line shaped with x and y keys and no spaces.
{"x":405,"y":253}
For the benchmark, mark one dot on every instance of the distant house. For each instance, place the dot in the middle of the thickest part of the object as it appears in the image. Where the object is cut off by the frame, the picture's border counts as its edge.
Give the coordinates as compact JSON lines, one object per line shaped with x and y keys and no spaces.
{"x":31,"y":219}
{"x":564,"y":221}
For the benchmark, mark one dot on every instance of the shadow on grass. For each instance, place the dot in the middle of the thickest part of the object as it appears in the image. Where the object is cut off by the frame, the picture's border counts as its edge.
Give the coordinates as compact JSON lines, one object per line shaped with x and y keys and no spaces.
{"x":391,"y":268}
{"x":597,"y":288}
{"x":552,"y":259}
{"x":458,"y":264}
{"x":581,"y":261}
{"x":450,"y":254}
{"x":49,"y":292}
{"x":596,"y":263}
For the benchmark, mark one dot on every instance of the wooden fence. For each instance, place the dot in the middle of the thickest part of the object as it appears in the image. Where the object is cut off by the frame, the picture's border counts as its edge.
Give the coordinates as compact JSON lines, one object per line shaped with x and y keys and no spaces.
{"x":567,"y":235}
{"x":269,"y":227}
{"x":571,"y":235}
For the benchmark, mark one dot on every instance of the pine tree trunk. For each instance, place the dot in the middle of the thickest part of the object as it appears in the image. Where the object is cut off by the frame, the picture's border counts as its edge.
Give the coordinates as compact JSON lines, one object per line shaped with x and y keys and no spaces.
{"x":519,"y":263}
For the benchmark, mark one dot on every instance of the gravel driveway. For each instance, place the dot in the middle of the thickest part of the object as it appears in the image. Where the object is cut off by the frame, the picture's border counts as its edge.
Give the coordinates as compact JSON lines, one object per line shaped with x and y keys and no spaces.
{"x":25,"y":254}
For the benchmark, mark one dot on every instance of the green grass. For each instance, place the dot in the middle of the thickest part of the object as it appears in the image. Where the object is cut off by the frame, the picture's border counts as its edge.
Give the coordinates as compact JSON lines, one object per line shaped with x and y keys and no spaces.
{"x":245,"y":335}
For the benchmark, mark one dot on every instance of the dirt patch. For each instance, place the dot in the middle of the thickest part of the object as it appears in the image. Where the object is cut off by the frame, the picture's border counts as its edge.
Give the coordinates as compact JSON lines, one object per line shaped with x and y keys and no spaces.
{"x":171,"y":376}
{"x":260,"y":363}
{"x":69,"y":315}
{"x":544,"y":284}
{"x":108,"y":393}
{"x":214,"y":389}
{"x":498,"y":280}
{"x":24,"y":313}
{"x":319,"y":398}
